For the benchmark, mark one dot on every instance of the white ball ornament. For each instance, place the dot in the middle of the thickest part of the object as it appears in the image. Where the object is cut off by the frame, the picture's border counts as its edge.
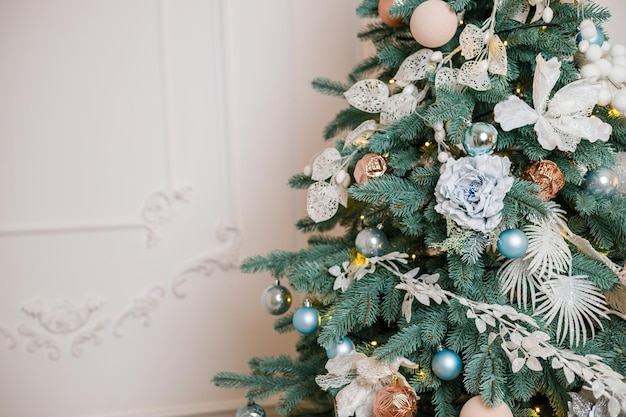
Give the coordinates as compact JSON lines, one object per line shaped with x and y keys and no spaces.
{"x":436,"y":57}
{"x":307,"y":171}
{"x":605,"y":97}
{"x":443,"y":157}
{"x":604,"y":66}
{"x":475,"y":407}
{"x":589,"y":71}
{"x":587,"y":29}
{"x":617,"y":74}
{"x":619,"y":61}
{"x":583,"y":46}
{"x":594,"y":52}
{"x":340,"y":176}
{"x":619,"y":101}
{"x":433,"y":23}
{"x":618,"y":50}
{"x":548,"y":14}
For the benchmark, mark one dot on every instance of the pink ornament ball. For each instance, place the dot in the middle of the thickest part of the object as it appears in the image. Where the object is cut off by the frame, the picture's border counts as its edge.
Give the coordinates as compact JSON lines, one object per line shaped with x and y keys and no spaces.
{"x":476,"y":408}
{"x":388,"y":19}
{"x":433,"y":23}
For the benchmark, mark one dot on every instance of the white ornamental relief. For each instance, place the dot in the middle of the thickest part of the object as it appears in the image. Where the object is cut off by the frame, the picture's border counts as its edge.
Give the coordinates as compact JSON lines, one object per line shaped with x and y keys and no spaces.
{"x":141,"y":309}
{"x":159,"y":210}
{"x":204,"y":267}
{"x":63,"y":317}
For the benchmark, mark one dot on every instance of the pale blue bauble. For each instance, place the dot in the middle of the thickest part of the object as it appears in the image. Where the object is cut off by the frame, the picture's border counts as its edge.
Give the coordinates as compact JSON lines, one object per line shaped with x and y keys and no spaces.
{"x":602,"y":181}
{"x":447,"y":365}
{"x":306,"y":320}
{"x":479,"y":139}
{"x":250,"y":410}
{"x":344,"y":346}
{"x":512,"y":243}
{"x":371,"y":242}
{"x":276,"y":299}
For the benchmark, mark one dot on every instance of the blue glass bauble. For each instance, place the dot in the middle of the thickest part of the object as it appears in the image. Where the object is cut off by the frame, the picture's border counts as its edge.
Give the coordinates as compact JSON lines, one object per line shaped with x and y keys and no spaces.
{"x":276,"y":299}
{"x":250,"y":410}
{"x":479,"y":139}
{"x":596,"y":40}
{"x":371,"y":242}
{"x":602,"y":181}
{"x":447,"y":365}
{"x":344,"y":346}
{"x":306,"y":320}
{"x":512,"y":243}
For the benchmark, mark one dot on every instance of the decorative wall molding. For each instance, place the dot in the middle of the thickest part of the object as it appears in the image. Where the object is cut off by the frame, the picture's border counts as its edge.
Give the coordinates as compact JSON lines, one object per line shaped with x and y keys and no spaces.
{"x":62,"y":317}
{"x":37,"y":341}
{"x":91,"y":334}
{"x":204,"y":267}
{"x":159,"y":210}
{"x":9,"y":339}
{"x":143,"y":306}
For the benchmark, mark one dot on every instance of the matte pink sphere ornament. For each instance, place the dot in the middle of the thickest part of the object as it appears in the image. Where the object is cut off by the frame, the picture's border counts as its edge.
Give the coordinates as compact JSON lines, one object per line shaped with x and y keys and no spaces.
{"x":475,"y":407}
{"x":433,"y":23}
{"x":388,"y":19}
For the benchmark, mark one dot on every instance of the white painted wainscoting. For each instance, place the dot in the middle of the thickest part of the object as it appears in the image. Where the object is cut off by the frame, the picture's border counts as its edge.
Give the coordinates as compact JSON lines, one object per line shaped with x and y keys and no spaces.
{"x":145,"y":147}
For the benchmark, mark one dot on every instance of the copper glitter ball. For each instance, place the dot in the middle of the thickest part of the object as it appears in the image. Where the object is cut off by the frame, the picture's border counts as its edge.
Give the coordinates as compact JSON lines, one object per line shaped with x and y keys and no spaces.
{"x":371,"y":165}
{"x":547,"y":175}
{"x":395,"y":400}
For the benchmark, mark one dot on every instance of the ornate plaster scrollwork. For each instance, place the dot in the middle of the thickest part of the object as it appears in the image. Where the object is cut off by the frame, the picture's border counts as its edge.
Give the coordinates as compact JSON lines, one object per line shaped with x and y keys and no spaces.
{"x":91,"y":334}
{"x":38,"y":341}
{"x":141,"y":309}
{"x":159,"y":210}
{"x":204,"y":267}
{"x":63,"y":317}
{"x":11,"y":343}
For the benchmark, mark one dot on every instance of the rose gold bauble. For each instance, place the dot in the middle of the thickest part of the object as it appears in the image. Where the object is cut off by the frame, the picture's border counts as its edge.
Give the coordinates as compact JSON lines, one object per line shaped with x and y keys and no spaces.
{"x":371,"y":165}
{"x":433,"y":23}
{"x":383,"y":12}
{"x":547,"y":175}
{"x":395,"y":400}
{"x":476,"y":408}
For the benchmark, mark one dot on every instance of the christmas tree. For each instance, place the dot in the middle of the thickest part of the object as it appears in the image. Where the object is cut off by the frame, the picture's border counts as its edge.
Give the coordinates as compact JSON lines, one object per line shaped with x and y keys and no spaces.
{"x":466,"y":223}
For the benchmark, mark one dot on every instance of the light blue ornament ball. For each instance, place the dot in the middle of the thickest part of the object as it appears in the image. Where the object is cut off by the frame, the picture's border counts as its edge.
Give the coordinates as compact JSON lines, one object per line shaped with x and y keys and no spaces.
{"x":250,"y":410}
{"x":306,"y":320}
{"x":512,"y":243}
{"x":479,"y":139}
{"x":371,"y":242}
{"x":276,"y":299}
{"x":596,"y":40}
{"x":344,"y":346}
{"x":602,"y":181}
{"x":447,"y":365}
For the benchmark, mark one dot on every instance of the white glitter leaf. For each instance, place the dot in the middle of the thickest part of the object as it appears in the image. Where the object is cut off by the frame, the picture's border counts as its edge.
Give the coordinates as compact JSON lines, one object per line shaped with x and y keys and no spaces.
{"x":368,"y":95}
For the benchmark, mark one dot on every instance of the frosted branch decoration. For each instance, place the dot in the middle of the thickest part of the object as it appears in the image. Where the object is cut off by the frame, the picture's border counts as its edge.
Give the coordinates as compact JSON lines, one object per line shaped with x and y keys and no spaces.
{"x":524,"y":347}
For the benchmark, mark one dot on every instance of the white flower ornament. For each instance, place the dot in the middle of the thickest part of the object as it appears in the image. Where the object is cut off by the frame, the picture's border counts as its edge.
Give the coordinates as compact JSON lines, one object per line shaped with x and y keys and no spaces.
{"x":562,"y":121}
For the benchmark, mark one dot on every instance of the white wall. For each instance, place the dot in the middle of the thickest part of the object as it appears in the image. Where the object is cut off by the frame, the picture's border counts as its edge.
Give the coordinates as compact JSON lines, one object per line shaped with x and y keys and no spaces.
{"x":117,"y":296}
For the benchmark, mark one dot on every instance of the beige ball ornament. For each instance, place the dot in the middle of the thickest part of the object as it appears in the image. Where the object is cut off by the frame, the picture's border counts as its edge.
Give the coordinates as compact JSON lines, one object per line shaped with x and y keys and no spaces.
{"x":476,"y":408}
{"x":433,"y":23}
